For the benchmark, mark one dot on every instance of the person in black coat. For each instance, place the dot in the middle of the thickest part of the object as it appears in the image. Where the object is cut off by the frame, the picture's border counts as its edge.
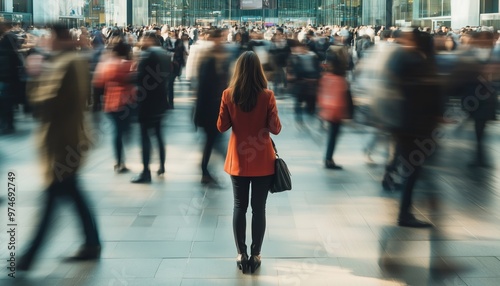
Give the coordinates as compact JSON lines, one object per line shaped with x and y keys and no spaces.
{"x":11,"y":83}
{"x":477,"y":83}
{"x":213,"y":80}
{"x":152,"y":82}
{"x":174,"y":45}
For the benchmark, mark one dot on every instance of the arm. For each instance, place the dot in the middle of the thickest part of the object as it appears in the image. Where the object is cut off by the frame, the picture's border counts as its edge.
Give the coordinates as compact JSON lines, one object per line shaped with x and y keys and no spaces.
{"x":273,"y":121}
{"x":224,"y":120}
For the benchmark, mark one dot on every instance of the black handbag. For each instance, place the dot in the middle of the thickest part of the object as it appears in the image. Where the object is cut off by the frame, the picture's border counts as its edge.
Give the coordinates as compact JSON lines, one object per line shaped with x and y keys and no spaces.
{"x":282,"y":178}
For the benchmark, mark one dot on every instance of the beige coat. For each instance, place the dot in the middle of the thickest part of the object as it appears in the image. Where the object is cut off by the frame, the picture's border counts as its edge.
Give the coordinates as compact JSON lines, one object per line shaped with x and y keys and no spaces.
{"x":59,"y":98}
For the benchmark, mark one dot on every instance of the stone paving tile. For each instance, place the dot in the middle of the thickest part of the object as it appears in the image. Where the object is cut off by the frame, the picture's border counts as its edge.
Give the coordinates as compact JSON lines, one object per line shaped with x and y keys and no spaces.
{"x":333,"y":228}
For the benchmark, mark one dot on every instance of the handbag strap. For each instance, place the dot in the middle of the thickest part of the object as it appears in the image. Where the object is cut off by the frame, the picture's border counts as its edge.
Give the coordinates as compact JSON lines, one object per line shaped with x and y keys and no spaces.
{"x":274,"y":147}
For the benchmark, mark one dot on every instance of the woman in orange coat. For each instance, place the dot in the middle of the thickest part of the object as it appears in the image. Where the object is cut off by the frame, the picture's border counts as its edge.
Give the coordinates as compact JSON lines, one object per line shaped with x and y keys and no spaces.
{"x":332,"y":99}
{"x":249,"y":108}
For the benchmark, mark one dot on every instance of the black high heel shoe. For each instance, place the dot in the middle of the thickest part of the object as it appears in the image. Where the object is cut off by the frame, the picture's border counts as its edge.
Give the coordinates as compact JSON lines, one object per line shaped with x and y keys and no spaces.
{"x":242,"y":262}
{"x":254,"y":263}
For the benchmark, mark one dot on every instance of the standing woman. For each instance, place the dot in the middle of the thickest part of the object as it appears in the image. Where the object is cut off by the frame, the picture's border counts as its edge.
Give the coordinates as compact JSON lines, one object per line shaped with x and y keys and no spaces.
{"x":250,"y":109}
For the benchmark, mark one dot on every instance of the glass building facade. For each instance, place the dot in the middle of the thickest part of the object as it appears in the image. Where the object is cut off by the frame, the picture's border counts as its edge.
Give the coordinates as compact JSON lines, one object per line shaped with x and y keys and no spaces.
{"x":427,"y":13}
{"x":290,"y":12}
{"x":17,"y":11}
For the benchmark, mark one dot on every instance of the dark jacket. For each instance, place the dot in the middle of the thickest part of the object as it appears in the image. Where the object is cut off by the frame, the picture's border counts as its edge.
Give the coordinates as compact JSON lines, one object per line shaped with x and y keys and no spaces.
{"x":178,"y":51}
{"x":213,"y":80}
{"x":421,"y":103}
{"x":12,"y":71}
{"x":478,"y":85}
{"x":152,"y":81}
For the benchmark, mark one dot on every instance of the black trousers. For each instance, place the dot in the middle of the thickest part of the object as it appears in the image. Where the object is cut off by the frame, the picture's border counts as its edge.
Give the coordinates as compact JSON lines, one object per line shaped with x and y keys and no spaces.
{"x":6,"y":112}
{"x":121,"y":123}
{"x":241,"y":191}
{"x":68,"y":188}
{"x":212,"y":141}
{"x":410,"y":161}
{"x":333,"y":134}
{"x":479,"y":127}
{"x":155,"y":126}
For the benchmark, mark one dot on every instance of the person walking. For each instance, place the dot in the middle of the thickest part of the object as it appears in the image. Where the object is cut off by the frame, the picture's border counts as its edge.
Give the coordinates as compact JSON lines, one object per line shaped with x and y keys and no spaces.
{"x":249,"y":108}
{"x":152,"y":82}
{"x":332,"y":99}
{"x":59,"y":95}
{"x":114,"y":75}
{"x":214,"y":77}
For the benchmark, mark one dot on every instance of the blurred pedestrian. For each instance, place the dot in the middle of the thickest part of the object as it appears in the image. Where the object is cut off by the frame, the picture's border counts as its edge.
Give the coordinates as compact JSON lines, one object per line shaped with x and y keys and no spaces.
{"x":11,"y":77}
{"x":332,"y":99}
{"x":153,"y":72}
{"x":419,"y":106}
{"x":213,"y":80}
{"x":476,"y":82}
{"x":304,"y":73}
{"x":59,"y":96}
{"x":249,"y":108}
{"x":115,"y":76}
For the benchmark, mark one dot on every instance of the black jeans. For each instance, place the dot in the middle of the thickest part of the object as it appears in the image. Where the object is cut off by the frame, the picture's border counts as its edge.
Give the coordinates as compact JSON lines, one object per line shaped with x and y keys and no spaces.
{"x":146,"y":142}
{"x":333,"y":133}
{"x":171,"y":81}
{"x":212,"y":141}
{"x":6,"y":112}
{"x":241,"y":190}
{"x":68,"y":188}
{"x":121,"y":123}
{"x":479,"y":127}
{"x":410,"y":161}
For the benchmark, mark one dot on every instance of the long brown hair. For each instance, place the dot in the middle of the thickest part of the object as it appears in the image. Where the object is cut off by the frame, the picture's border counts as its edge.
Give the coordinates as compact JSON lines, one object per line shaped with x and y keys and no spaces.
{"x":248,"y":81}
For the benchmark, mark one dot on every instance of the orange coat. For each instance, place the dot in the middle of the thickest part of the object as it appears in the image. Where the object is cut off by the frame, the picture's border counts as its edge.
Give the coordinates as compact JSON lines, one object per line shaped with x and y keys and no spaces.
{"x":332,"y":97}
{"x":250,"y":152}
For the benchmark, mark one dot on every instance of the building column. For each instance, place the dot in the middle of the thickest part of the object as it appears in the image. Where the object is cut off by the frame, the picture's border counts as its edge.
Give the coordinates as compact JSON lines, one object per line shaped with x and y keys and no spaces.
{"x":9,"y":5}
{"x":129,"y":13}
{"x":388,"y":13}
{"x":464,"y":13}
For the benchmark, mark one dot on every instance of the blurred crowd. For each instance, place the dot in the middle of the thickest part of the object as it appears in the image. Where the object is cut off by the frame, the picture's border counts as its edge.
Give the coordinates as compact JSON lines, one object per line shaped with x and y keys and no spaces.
{"x":400,"y":80}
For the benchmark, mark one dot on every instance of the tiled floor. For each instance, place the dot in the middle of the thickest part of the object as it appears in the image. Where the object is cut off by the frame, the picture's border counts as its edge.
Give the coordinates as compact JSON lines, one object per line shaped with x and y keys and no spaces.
{"x":333,"y":228}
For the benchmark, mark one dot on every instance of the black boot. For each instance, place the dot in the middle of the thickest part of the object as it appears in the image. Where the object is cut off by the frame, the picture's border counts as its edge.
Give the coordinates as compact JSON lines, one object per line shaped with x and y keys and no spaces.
{"x":143,"y":178}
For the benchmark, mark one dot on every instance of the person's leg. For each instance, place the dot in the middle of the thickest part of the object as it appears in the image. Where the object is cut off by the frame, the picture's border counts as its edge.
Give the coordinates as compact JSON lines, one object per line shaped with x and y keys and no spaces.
{"x":161,"y":146}
{"x":411,"y":166}
{"x":52,"y":193}
{"x":211,"y":136}
{"x":260,"y":190}
{"x":241,"y":190}
{"x":479,"y":127}
{"x":117,"y":137}
{"x":333,"y":133}
{"x":171,"y":91}
{"x":86,"y":217}
{"x":145,"y":176}
{"x":332,"y":142}
{"x":146,"y":145}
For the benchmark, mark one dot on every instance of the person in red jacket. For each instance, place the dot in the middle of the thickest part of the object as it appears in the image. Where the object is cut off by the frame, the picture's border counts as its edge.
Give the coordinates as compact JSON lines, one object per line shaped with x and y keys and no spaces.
{"x":114,"y":75}
{"x":249,"y":108}
{"x":332,"y":99}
